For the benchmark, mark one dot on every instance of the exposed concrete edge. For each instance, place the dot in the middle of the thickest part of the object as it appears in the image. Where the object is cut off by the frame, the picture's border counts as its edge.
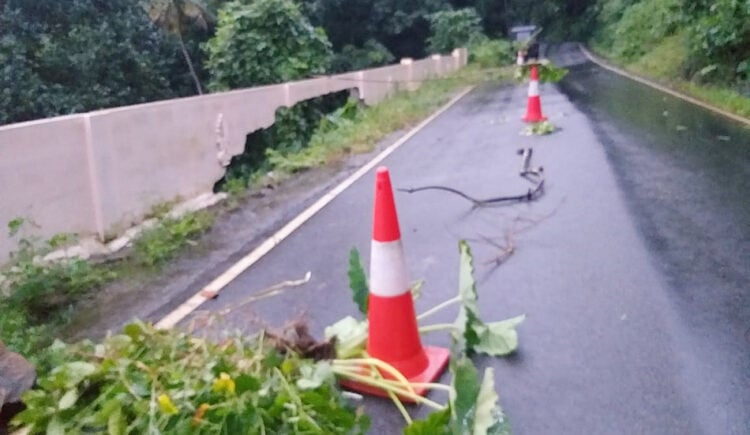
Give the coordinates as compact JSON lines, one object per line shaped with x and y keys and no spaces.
{"x":662,"y":88}
{"x":90,"y":246}
{"x":220,"y":282}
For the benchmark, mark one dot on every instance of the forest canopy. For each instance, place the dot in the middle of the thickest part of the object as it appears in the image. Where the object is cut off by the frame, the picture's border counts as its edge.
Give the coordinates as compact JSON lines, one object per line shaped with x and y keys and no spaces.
{"x":61,"y":57}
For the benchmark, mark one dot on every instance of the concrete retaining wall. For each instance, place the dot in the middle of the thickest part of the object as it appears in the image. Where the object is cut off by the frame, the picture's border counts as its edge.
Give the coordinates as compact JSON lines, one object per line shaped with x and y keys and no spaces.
{"x":101,"y":172}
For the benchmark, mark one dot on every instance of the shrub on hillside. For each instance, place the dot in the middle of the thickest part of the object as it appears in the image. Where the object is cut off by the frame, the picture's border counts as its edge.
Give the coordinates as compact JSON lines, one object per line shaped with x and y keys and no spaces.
{"x":263,"y":42}
{"x":644,"y":25}
{"x":720,"y":41}
{"x":64,"y":57}
{"x":491,"y":53}
{"x":371,"y":54}
{"x":454,"y":29}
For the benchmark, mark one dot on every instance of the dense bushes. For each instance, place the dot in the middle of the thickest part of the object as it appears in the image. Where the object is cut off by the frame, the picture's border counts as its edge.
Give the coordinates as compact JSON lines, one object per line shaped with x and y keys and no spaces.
{"x":644,"y":25}
{"x":64,"y":57}
{"x":490,"y":53}
{"x":371,"y":54}
{"x":715,"y":35}
{"x":262,"y":42}
{"x":720,"y":40}
{"x":453,"y":29}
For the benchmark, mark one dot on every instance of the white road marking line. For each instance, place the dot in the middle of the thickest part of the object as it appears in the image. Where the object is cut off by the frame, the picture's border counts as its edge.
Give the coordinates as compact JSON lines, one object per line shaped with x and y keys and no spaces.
{"x":663,"y":88}
{"x":215,"y":286}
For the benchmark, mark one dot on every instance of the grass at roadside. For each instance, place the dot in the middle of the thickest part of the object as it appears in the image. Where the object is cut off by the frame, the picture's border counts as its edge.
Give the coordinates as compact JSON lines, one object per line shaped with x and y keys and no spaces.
{"x":664,"y":65}
{"x":39,"y":299}
{"x":58,"y":288}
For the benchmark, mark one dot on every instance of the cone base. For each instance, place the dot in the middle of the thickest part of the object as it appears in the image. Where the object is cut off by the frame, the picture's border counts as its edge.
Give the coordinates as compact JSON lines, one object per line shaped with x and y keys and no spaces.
{"x":530,"y":119}
{"x":438,"y":358}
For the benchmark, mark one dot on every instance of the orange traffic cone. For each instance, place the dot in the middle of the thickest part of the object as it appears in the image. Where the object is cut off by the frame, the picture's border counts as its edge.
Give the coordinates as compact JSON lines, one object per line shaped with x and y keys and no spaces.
{"x":393,"y":335}
{"x":534,"y":104}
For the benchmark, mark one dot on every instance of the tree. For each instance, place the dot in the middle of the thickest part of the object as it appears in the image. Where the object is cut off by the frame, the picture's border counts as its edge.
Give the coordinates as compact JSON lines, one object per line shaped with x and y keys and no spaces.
{"x":400,"y":26}
{"x":454,"y":29}
{"x":66,"y":57}
{"x":175,"y":16}
{"x":265,"y":41}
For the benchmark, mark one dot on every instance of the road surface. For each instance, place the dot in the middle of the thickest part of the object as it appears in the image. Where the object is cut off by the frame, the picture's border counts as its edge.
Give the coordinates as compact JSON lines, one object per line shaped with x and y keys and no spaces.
{"x":634,"y":276}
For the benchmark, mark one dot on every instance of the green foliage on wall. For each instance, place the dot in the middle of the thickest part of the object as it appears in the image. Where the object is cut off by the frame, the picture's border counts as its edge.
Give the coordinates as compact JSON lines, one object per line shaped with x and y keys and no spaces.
{"x":262,"y":42}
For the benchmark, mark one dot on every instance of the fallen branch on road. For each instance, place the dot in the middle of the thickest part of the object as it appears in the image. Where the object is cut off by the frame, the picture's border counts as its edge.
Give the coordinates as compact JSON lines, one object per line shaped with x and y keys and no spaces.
{"x":533,"y":175}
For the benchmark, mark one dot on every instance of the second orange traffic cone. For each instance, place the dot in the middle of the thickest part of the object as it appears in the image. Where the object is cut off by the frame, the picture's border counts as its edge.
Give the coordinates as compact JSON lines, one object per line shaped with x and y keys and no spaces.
{"x":534,"y":103}
{"x":393,"y":335}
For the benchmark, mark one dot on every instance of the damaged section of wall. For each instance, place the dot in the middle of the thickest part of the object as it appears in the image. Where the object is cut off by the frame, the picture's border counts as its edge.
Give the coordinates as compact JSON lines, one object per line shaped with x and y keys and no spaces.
{"x":101,"y":172}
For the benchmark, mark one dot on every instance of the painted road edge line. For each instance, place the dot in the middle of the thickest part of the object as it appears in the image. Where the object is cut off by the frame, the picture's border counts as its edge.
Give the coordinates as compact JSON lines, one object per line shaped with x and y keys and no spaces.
{"x":215,"y":286}
{"x":662,"y":88}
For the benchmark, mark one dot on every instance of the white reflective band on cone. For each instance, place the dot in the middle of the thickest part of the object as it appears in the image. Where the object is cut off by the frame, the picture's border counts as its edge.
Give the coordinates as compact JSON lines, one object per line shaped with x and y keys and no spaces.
{"x":388,"y":269}
{"x":533,"y":88}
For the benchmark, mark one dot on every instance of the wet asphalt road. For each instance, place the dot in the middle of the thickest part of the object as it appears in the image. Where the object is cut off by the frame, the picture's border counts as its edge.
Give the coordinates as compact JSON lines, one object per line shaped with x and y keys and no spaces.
{"x":634,"y":277}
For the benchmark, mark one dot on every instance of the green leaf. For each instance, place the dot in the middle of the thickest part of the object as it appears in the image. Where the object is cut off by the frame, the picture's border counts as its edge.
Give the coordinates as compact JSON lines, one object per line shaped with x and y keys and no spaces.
{"x":499,"y":338}
{"x":116,"y":424}
{"x":68,"y":399}
{"x":435,"y":424}
{"x":313,"y":376}
{"x":134,"y":330}
{"x":358,"y":281}
{"x":471,"y":334}
{"x":351,"y":336}
{"x":488,"y":413}
{"x":246,"y":383}
{"x":15,"y":225}
{"x":272,"y":359}
{"x":474,"y":404}
{"x":465,"y":392}
{"x":56,"y":426}
{"x":73,"y":373}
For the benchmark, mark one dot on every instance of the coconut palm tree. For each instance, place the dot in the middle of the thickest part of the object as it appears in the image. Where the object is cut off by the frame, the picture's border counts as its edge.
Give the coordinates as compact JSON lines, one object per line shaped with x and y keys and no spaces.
{"x":175,"y":16}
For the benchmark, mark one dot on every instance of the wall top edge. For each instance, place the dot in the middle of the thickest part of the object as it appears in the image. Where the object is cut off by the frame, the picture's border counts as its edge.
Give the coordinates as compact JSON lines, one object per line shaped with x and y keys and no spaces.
{"x":206,"y":97}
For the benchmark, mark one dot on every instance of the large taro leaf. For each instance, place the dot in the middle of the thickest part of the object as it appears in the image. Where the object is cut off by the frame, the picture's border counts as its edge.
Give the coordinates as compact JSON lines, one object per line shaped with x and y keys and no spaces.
{"x":471,"y":334}
{"x":475,"y":404}
{"x":473,"y":407}
{"x":489,"y":417}
{"x":437,"y":423}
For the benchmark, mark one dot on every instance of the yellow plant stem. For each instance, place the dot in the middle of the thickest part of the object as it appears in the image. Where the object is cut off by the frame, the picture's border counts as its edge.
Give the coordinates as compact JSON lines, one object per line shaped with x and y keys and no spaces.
{"x":369,"y":380}
{"x":357,"y":363}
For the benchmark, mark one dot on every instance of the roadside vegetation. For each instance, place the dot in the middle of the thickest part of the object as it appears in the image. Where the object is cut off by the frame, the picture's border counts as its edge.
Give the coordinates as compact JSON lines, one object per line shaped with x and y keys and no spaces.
{"x":113,"y":384}
{"x":39,"y":298}
{"x":701,"y":48}
{"x":145,"y":380}
{"x":53,"y":55}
